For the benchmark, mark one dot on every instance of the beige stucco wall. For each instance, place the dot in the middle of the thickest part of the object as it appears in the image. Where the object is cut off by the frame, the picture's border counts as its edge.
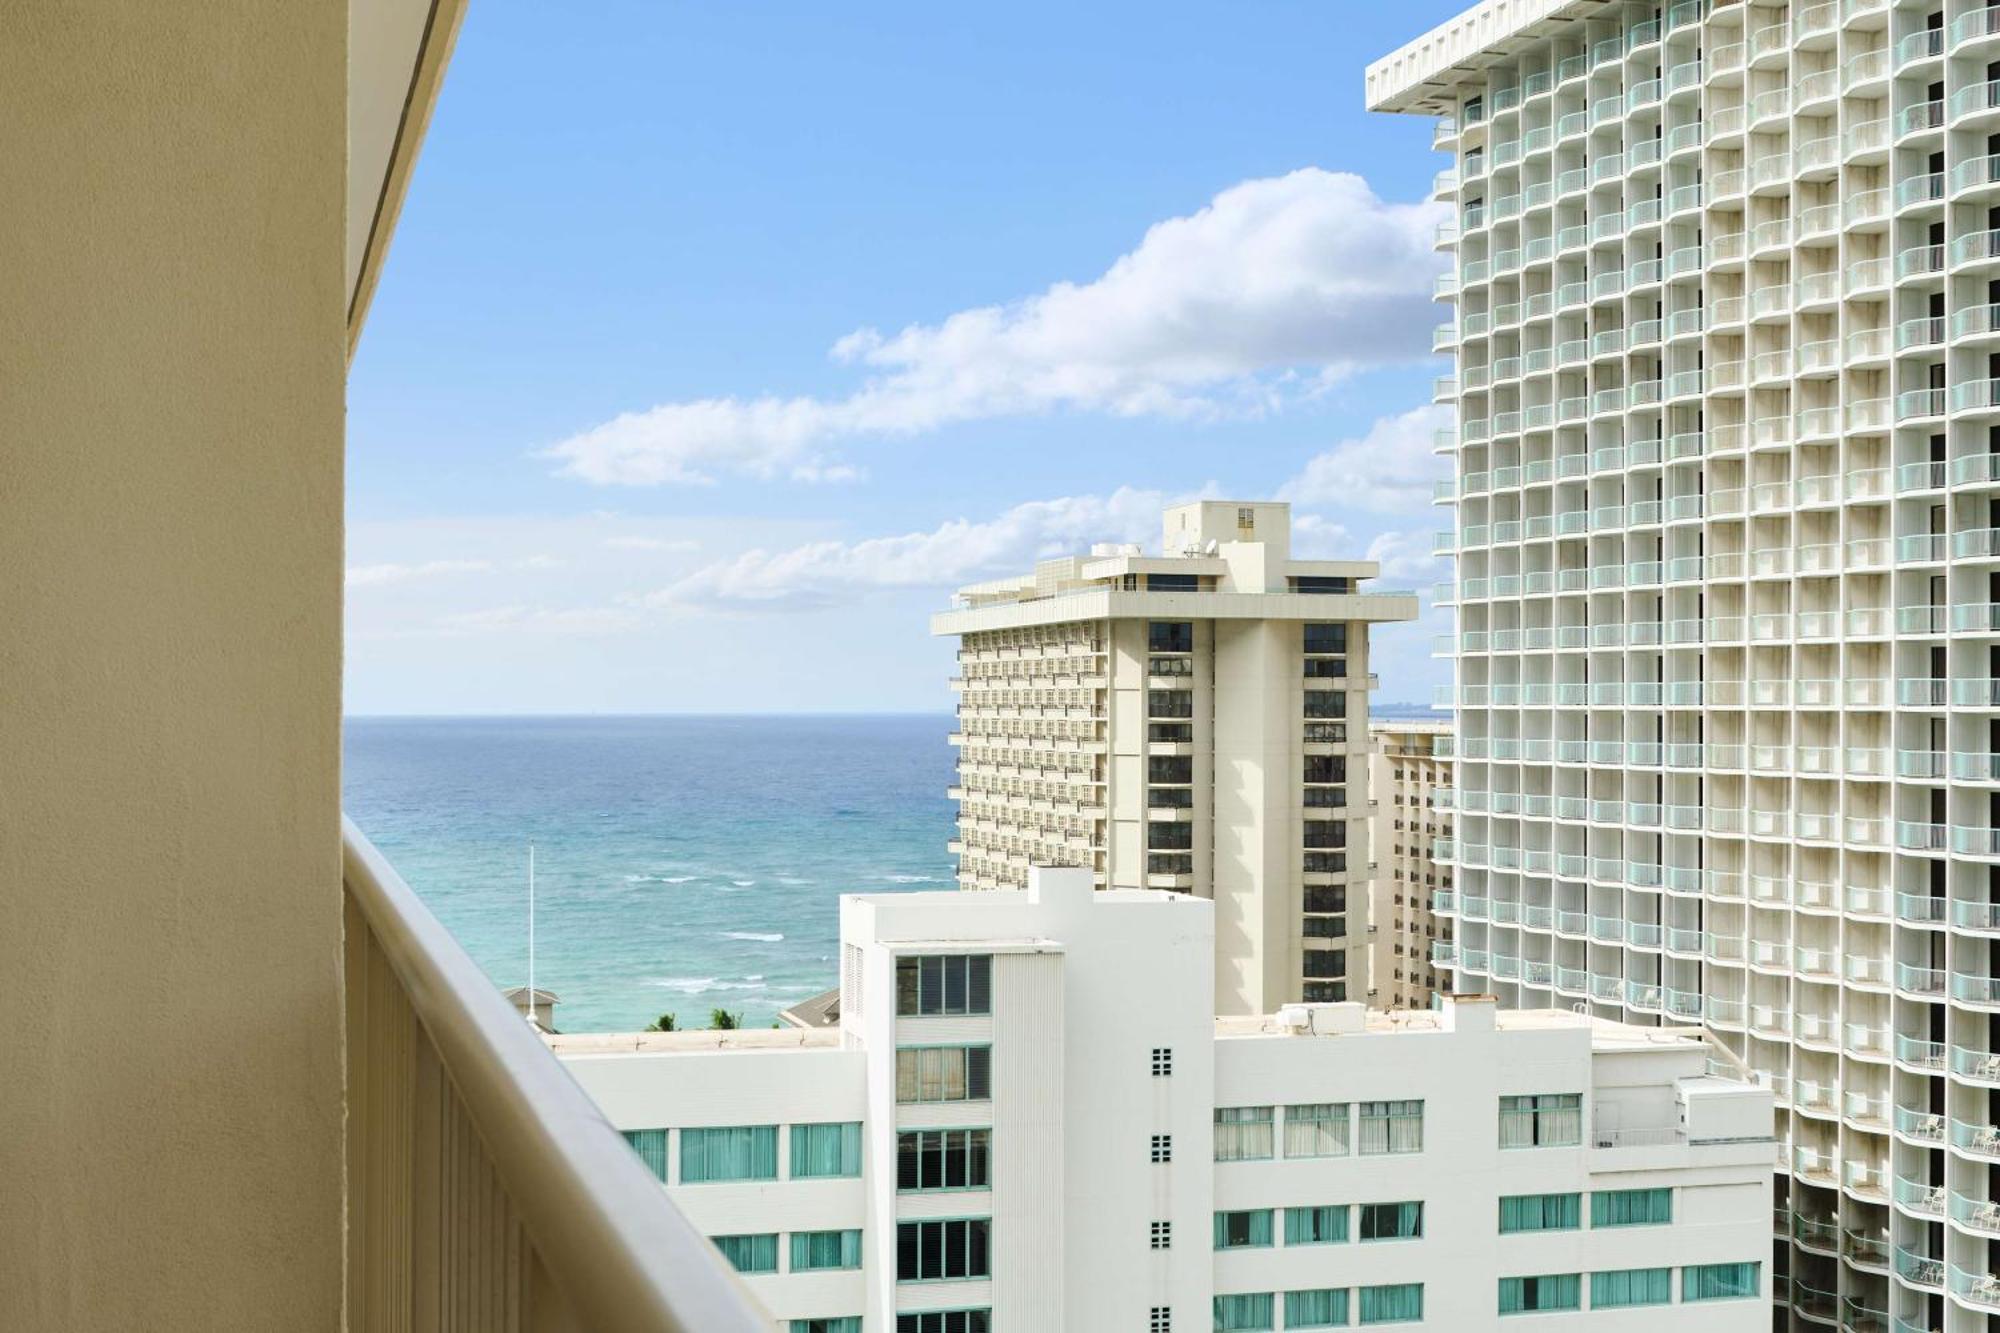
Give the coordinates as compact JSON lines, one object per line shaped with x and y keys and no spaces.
{"x":171,"y":381}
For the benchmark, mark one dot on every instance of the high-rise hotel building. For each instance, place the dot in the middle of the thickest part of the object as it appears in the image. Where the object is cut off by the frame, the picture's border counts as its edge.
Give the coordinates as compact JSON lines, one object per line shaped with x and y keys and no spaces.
{"x":1409,"y":768}
{"x":1727,"y":293}
{"x":1195,"y":720}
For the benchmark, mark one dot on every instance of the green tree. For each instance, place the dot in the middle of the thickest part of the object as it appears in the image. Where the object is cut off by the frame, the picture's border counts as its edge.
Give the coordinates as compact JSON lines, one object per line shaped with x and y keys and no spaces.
{"x":664,"y":1023}
{"x":724,"y":1021}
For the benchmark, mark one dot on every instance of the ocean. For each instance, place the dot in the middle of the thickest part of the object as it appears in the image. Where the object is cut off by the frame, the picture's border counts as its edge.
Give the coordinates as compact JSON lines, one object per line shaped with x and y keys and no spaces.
{"x":681,"y":863}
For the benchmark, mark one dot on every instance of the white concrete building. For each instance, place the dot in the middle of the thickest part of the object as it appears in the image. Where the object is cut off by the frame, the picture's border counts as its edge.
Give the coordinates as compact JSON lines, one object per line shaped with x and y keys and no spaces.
{"x":1195,"y":720}
{"x":1409,"y":764}
{"x":1016,"y":1128}
{"x":1728,"y":421}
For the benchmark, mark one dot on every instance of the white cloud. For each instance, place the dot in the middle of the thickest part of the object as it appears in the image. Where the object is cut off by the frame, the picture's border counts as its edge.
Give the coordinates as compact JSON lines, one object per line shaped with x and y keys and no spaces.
{"x":1388,"y":470}
{"x":649,"y":544}
{"x":1275,"y":286}
{"x":543,"y":620}
{"x":828,"y":572}
{"x":1406,"y":560}
{"x":375,"y":576}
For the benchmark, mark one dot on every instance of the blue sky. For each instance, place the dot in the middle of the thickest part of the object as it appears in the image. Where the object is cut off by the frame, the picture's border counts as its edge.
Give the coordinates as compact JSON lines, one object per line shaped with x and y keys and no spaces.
{"x":717,"y":342}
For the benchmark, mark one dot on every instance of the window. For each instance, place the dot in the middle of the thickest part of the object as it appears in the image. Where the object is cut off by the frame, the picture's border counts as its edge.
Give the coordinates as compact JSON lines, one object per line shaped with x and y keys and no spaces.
{"x":1322,"y":1225}
{"x":1320,"y":584}
{"x":651,"y":1145}
{"x":1326,"y":962}
{"x":944,"y":984}
{"x":750,"y":1254}
{"x":1170,"y":703}
{"x":1631,"y":1286}
{"x":1163,"y":1236}
{"x":847,"y":1323}
{"x":1540,"y":1212}
{"x":943,"y":1159}
{"x":1251,"y":1310}
{"x":1324,"y":992}
{"x":1325,"y":833}
{"x":1326,"y":768}
{"x":816,"y":1250}
{"x":943,"y":1073}
{"x":1720,"y":1282}
{"x":1163,"y":1147}
{"x":1242,"y":1133}
{"x":1162,"y":1320}
{"x":1326,"y":897}
{"x":1398,"y":1304}
{"x":945,"y":1321}
{"x":1173,"y":583}
{"x":1323,"y":639}
{"x":1532,"y":1295}
{"x":1392,"y":1221}
{"x":1316,"y":1130}
{"x":1325,"y":668}
{"x":1325,"y":1308}
{"x":1163,"y":1061}
{"x":942,"y":1250}
{"x":1326,"y":704}
{"x":1546,"y":1120}
{"x":1390,"y":1127}
{"x":1169,"y":837}
{"x":1248,"y":1229}
{"x":749,"y":1153}
{"x":826,"y":1150}
{"x":1172,"y":769}
{"x":1170,"y":636}
{"x":1631,"y":1208}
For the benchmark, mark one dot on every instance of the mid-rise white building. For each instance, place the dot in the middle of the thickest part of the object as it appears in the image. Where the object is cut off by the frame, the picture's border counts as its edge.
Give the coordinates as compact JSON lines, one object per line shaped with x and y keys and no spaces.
{"x":1728,"y":397}
{"x":1194,"y":720}
{"x":1017,"y":1128}
{"x":1408,"y":766}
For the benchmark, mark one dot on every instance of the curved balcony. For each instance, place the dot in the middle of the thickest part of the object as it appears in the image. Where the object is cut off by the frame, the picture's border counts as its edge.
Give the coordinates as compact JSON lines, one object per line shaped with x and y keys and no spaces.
{"x":1974,"y":30}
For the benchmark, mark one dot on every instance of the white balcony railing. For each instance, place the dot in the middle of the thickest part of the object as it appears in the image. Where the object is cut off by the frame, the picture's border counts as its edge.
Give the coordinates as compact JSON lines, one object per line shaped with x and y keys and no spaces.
{"x":484,"y":1188}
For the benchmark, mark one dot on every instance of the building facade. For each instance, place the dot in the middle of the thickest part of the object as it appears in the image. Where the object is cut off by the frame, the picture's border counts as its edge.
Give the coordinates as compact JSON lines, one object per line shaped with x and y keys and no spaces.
{"x":1196,"y":721}
{"x":1409,"y":764}
{"x":1728,"y":410}
{"x":1016,"y":1129}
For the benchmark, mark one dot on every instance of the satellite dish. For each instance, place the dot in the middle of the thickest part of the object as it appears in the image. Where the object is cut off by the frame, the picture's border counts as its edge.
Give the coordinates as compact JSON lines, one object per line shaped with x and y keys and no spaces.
{"x":1212,"y":547}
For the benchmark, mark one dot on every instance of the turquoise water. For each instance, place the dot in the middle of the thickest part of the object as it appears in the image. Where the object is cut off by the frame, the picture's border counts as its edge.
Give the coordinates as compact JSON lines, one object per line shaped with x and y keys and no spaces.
{"x":682,"y":863}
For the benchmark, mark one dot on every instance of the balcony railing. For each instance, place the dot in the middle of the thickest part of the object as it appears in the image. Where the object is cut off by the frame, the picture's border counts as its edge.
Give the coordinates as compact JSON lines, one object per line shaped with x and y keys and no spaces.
{"x":485,"y":1189}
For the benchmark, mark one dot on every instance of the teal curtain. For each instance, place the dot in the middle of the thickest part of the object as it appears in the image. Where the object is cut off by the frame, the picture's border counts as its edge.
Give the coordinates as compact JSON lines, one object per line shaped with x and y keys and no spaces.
{"x":651,"y":1145}
{"x":815,"y":1250}
{"x":849,"y":1323}
{"x":1392,"y":1305}
{"x":1242,"y":1133}
{"x":737,"y":1153}
{"x":1318,"y":1130}
{"x":1719,"y":1282}
{"x":1631,"y":1286}
{"x":1392,"y":1221}
{"x":1316,"y":1226}
{"x":1552,"y":1291}
{"x":1251,"y":1310}
{"x":1235,"y":1231}
{"x":1391,"y":1127}
{"x":1631,"y":1208}
{"x":750,"y":1254}
{"x":1326,"y":1308}
{"x":826,"y":1150}
{"x":1540,"y":1212}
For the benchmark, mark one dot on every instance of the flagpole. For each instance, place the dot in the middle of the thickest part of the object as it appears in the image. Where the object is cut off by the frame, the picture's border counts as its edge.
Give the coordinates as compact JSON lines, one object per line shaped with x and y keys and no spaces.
{"x":531,"y":936}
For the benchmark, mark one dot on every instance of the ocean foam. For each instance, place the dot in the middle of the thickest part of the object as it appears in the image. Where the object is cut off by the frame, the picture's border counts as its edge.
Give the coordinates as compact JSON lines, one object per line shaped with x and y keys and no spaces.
{"x":761,"y":937}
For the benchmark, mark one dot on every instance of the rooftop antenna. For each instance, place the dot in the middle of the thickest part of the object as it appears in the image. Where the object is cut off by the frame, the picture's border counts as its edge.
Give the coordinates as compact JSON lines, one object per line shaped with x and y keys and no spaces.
{"x":533,"y":1021}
